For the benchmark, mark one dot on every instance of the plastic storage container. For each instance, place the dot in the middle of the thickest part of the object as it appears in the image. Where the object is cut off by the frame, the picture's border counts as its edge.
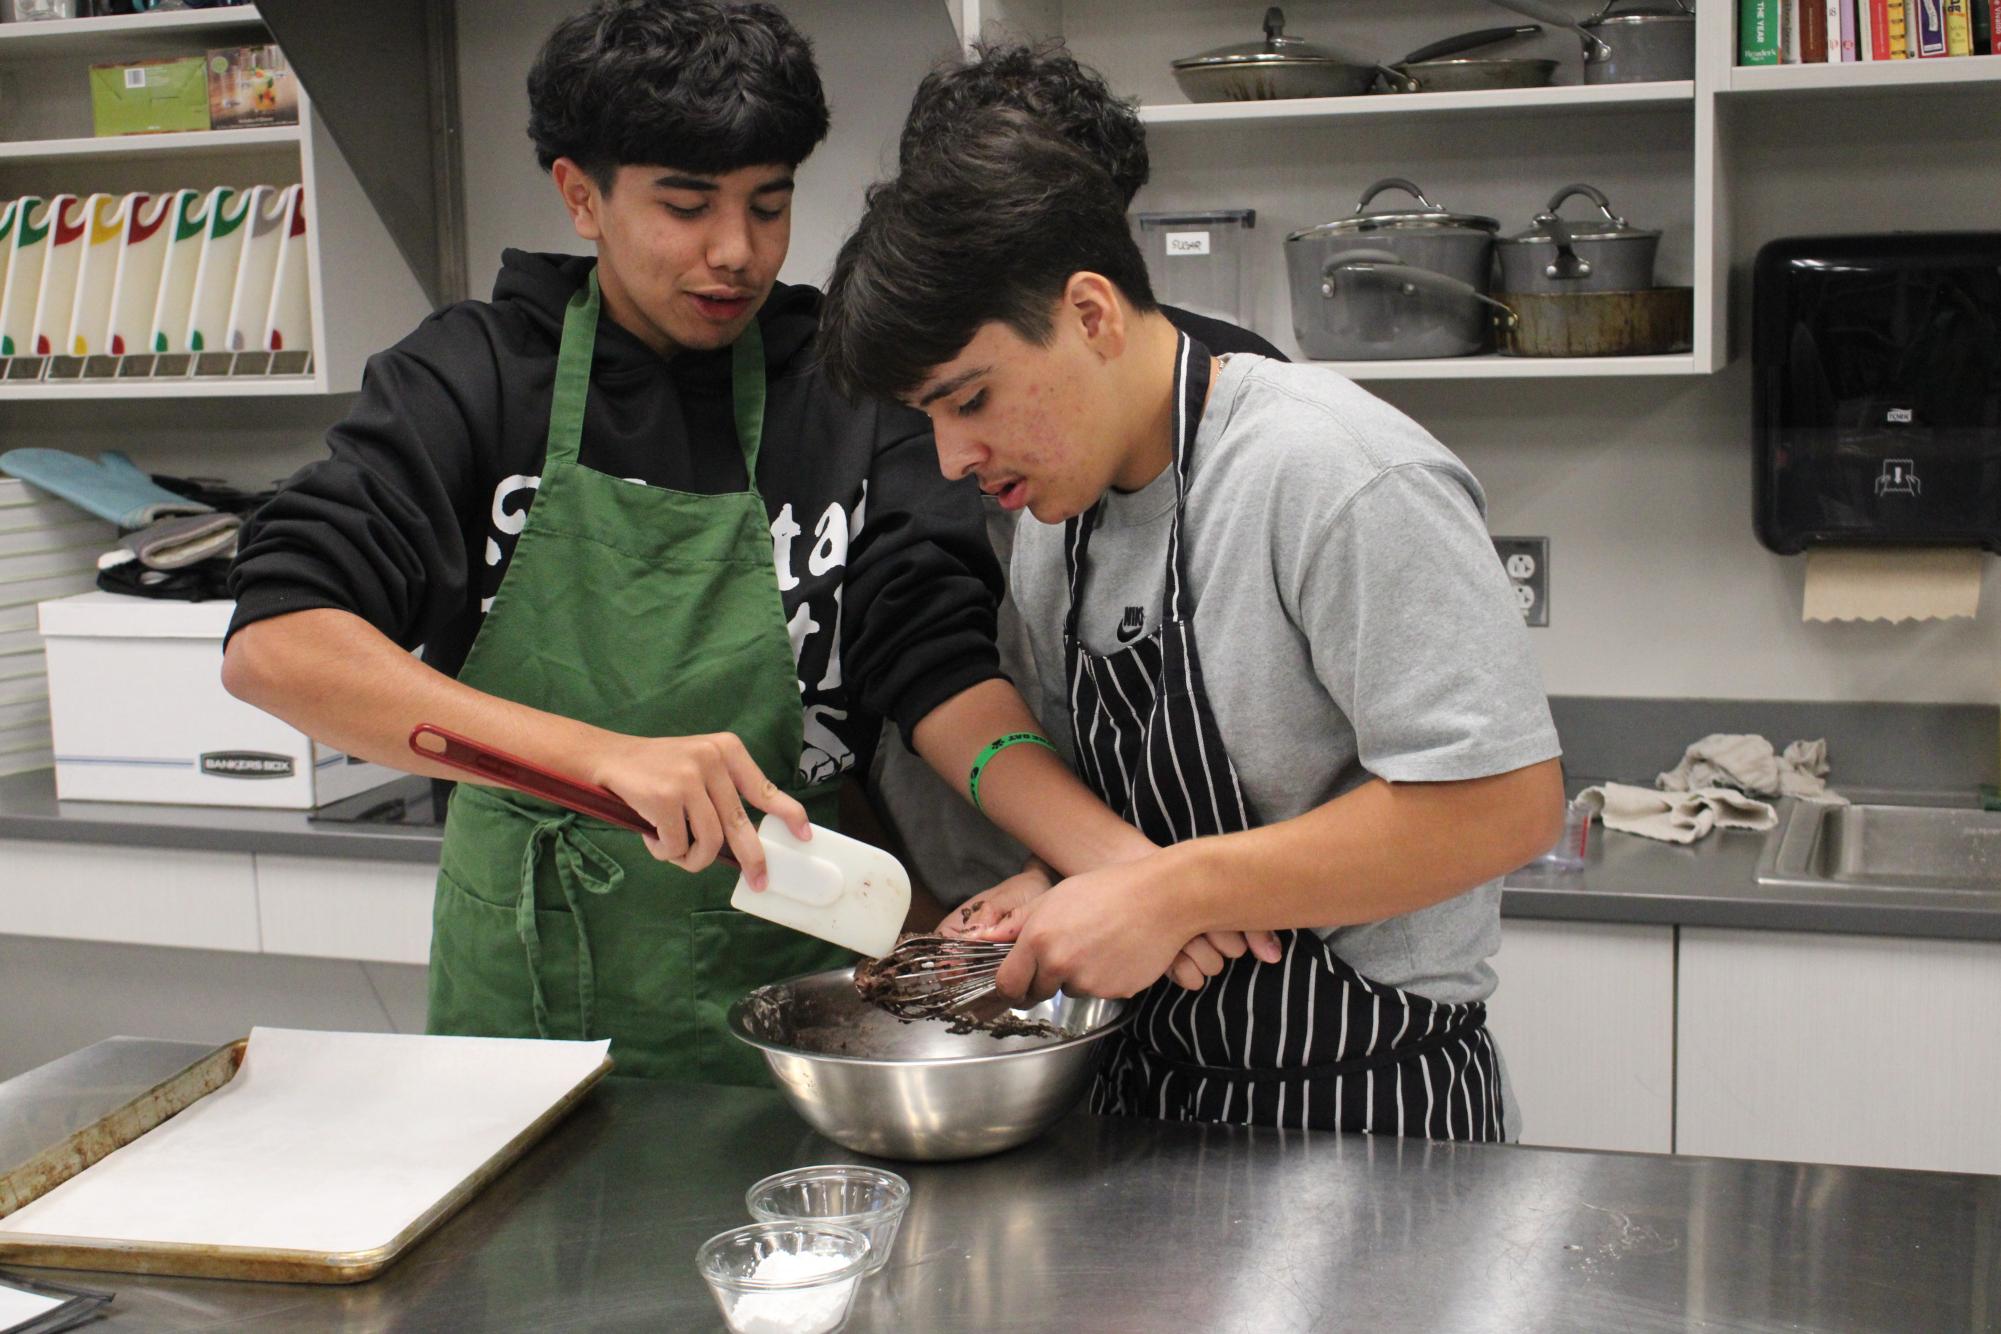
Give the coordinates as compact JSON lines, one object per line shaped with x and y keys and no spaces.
{"x":1200,"y":261}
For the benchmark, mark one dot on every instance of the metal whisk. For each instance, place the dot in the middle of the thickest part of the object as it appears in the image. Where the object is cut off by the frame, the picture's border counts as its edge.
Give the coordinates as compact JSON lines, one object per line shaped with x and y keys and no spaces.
{"x":932,"y":977}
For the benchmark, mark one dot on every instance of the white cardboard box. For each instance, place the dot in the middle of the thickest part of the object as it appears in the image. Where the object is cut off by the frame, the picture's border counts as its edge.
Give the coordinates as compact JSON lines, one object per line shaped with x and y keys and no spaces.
{"x":139,"y":713}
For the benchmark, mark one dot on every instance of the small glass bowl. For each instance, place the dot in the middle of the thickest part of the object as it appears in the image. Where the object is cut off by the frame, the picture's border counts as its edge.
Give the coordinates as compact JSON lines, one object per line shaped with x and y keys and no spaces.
{"x":868,"y":1199}
{"x":811,"y":1305}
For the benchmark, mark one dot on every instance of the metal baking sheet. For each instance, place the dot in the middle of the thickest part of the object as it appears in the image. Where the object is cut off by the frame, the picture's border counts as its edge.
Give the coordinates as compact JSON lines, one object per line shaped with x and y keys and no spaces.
{"x":95,"y":1247}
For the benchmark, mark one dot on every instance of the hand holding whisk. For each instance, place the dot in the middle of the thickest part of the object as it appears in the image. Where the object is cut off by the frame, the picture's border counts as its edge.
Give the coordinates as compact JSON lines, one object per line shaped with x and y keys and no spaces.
{"x":932,"y":977}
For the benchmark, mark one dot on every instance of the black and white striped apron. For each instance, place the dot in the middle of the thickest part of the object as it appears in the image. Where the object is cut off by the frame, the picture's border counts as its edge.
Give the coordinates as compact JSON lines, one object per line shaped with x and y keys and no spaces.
{"x":1306,"y":1041}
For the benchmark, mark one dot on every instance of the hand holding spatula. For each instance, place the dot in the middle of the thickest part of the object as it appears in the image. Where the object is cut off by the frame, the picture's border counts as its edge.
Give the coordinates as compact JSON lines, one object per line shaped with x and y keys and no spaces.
{"x":836,"y":888}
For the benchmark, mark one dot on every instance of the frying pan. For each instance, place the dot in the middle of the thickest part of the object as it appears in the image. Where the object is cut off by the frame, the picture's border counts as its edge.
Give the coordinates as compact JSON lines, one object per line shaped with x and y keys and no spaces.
{"x":1439,"y":67}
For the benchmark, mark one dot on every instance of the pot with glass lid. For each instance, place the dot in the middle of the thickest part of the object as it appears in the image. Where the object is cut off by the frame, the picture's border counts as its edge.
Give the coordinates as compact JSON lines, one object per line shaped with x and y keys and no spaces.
{"x":1392,"y":283}
{"x":1278,"y":67}
{"x":1604,"y":254}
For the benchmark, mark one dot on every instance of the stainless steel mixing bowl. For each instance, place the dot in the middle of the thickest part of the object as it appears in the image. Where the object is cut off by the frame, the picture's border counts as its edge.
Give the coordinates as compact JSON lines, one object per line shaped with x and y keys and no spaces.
{"x":881,"y":1086}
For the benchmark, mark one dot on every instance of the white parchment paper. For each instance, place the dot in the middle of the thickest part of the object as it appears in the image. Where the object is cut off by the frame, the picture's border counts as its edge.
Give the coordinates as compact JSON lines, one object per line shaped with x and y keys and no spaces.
{"x":322,"y":1142}
{"x":18,"y":1307}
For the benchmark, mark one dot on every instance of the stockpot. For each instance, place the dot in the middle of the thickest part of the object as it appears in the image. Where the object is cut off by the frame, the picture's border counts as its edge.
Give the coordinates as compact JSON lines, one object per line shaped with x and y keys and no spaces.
{"x":1635,"y":44}
{"x":1606,"y":254}
{"x":1346,"y":307}
{"x":1278,"y":67}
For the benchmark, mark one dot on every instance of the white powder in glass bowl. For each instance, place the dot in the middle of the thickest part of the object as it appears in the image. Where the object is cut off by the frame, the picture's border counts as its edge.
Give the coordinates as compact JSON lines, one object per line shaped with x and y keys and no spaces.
{"x":793,"y":1310}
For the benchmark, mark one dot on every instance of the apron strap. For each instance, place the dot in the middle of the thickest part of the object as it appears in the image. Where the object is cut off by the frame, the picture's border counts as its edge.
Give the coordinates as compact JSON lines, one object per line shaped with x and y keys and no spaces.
{"x":579,"y":862}
{"x":573,"y":374}
{"x":747,"y":394}
{"x":1191,"y":391}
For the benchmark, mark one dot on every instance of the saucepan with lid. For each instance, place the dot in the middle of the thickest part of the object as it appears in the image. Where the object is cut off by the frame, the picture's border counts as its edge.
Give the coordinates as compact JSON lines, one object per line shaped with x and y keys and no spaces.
{"x":1277,"y":67}
{"x":1626,"y":43}
{"x":1606,"y":254}
{"x":1443,"y":66}
{"x":1376,"y":302}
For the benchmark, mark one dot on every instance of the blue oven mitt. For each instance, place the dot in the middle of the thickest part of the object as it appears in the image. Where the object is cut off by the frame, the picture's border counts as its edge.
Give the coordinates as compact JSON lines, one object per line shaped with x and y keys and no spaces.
{"x":110,"y":486}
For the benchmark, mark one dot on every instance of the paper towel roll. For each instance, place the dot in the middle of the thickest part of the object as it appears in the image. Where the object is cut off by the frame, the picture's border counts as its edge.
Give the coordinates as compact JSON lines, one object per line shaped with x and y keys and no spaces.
{"x":1891,"y":583}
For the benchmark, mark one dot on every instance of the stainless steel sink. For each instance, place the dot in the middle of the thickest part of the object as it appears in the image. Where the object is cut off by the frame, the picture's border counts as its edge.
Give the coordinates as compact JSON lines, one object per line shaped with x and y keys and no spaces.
{"x":1937,"y":849}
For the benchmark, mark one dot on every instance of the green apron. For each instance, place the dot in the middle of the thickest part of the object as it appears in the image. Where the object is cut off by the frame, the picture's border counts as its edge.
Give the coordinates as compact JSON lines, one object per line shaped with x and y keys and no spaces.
{"x":654,"y":613}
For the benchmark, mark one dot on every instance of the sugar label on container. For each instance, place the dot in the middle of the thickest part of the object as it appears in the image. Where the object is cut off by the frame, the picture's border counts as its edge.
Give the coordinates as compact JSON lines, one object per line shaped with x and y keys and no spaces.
{"x":1187,"y":243}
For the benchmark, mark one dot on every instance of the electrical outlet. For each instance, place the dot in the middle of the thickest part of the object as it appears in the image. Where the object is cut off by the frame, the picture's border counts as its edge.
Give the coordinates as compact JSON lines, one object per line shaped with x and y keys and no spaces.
{"x":1526,"y":560}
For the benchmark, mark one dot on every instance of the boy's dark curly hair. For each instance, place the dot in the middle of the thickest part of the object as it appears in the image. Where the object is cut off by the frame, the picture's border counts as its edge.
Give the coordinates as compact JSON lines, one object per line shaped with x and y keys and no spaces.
{"x":1047,"y":83}
{"x":988,"y":222}
{"x":703,"y":87}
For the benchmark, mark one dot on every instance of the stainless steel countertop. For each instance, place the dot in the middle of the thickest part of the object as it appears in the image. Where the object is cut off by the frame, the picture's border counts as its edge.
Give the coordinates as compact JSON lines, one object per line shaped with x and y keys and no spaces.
{"x":1712,"y":882}
{"x":1116,"y":1225}
{"x":29,"y":810}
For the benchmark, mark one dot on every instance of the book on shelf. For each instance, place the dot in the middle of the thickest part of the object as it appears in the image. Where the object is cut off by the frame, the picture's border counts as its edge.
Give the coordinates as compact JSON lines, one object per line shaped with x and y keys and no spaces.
{"x":1897,"y":28}
{"x":1757,"y":39}
{"x":1958,"y":28}
{"x":1789,"y":31}
{"x":1813,"y":32}
{"x":1984,"y":14}
{"x":1844,"y":21}
{"x":1930,"y":39}
{"x":1758,"y":32}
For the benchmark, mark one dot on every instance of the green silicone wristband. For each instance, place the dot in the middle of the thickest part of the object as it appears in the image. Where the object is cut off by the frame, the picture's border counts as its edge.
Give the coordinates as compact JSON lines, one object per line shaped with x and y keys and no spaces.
{"x":995,"y":747}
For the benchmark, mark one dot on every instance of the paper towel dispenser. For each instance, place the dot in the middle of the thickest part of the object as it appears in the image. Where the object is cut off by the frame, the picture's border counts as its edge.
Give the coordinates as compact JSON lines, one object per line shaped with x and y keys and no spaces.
{"x":1877,"y":390}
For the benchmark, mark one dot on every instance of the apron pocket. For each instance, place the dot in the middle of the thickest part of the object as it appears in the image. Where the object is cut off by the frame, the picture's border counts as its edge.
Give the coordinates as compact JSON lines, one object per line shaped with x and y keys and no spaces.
{"x":733,"y":953}
{"x":479,"y":983}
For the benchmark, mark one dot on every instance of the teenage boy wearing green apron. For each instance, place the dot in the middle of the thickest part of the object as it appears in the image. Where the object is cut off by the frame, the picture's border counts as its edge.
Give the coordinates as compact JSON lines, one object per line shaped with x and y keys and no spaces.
{"x":640,"y":541}
{"x":1270,"y":631}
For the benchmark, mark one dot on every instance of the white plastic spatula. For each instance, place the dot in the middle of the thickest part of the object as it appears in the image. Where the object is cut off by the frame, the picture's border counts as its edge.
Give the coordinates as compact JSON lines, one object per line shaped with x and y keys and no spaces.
{"x":840,"y":889}
{"x":836,"y":888}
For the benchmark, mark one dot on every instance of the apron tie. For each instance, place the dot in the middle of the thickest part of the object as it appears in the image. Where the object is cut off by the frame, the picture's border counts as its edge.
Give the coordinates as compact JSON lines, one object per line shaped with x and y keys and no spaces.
{"x":579,"y":862}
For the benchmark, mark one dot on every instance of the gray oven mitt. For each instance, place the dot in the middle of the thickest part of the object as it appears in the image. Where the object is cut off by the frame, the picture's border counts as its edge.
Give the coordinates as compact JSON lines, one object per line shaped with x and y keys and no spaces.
{"x":173,"y":543}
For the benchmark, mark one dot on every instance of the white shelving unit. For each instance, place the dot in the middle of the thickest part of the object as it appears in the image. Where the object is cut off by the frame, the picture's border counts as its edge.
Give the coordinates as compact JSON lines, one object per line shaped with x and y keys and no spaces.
{"x":1863,"y":76}
{"x":189,"y":143}
{"x":1650,"y":146}
{"x":1661,"y":151}
{"x":1523,"y":101}
{"x":363,"y":294}
{"x":121,"y":36}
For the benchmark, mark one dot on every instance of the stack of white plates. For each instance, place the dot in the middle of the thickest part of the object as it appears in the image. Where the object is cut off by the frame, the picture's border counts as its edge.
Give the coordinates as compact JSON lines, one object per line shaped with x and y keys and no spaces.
{"x":48,"y":549}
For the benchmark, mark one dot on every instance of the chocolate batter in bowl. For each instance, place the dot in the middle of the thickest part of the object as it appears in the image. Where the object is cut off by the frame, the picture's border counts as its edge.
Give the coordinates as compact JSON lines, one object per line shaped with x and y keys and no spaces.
{"x":920,"y":1090}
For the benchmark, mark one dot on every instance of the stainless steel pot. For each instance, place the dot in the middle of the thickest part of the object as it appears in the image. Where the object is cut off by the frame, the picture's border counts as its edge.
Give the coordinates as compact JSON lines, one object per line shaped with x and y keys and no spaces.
{"x":1442,"y":68}
{"x":1278,"y":67}
{"x":1389,"y":311}
{"x":1377,"y":316}
{"x":1605,"y":255}
{"x":1635,"y":45}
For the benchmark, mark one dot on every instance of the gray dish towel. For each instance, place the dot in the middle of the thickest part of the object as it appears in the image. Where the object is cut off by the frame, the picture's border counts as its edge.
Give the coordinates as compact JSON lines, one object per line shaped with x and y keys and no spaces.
{"x":1675,"y":817}
{"x":1750,"y":764}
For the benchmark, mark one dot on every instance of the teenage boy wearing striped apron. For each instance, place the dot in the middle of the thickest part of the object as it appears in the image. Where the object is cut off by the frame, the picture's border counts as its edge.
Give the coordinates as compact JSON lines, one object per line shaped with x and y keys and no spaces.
{"x":1273,"y":635}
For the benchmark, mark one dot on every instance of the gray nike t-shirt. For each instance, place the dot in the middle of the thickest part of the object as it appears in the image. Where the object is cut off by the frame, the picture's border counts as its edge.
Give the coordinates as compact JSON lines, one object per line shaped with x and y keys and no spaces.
{"x":1352,"y":620}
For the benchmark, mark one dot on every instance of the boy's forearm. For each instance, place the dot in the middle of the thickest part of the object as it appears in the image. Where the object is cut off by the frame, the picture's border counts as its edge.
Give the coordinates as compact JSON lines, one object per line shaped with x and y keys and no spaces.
{"x":1026,"y":790}
{"x":338,"y":679}
{"x":1379,"y":851}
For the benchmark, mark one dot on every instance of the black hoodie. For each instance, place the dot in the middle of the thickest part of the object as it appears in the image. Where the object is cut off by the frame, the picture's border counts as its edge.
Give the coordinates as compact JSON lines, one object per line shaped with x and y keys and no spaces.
{"x":888,"y":585}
